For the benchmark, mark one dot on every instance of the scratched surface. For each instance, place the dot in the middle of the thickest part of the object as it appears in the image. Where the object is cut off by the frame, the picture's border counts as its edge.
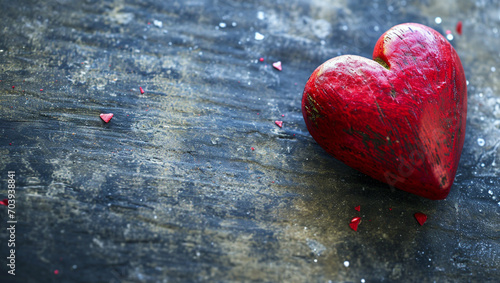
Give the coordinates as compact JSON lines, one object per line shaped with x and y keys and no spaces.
{"x":170,"y":189}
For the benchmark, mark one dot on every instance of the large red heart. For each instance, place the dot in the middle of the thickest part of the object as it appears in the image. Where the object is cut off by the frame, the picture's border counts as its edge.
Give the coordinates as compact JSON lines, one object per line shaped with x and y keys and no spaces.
{"x":399,"y":118}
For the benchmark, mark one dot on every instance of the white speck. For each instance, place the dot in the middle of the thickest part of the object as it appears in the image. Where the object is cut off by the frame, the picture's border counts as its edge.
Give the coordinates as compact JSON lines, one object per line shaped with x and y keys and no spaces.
{"x":158,"y":23}
{"x":305,"y":228}
{"x":346,"y":263}
{"x":480,"y":142}
{"x":375,"y":28}
{"x":200,"y":53}
{"x":222,"y":25}
{"x":344,"y":27}
{"x":198,"y":253}
{"x":482,"y":165}
{"x":499,"y":203}
{"x":323,"y":42}
{"x":449,"y":37}
{"x":74,"y":266}
{"x":467,"y":82}
{"x":493,"y":69}
{"x":438,"y":20}
{"x":155,"y":217}
{"x":260,"y":15}
{"x":315,"y":260}
{"x":363,"y":280}
{"x":234,"y":24}
{"x":390,"y":8}
{"x":480,"y":94}
{"x":430,"y":259}
{"x":259,"y":36}
{"x":490,"y":192}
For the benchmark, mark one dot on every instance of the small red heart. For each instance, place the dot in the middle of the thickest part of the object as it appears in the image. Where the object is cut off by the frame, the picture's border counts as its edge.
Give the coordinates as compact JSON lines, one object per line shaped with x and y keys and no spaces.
{"x":277,"y":65}
{"x":399,"y":118}
{"x":421,"y":218}
{"x":354,"y":223}
{"x":106,"y":117}
{"x":358,"y":208}
{"x":279,"y":123}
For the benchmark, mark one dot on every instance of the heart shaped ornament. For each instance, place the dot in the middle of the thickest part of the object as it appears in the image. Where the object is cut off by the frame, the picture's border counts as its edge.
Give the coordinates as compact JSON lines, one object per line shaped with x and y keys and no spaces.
{"x":399,"y":118}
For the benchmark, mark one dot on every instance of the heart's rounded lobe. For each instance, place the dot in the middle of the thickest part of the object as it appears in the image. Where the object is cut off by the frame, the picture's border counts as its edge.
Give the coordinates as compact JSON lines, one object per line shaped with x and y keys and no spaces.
{"x":399,"y":118}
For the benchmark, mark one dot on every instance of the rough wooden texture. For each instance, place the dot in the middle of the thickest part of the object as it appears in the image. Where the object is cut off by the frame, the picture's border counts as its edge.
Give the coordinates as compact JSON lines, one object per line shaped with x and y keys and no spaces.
{"x":170,"y":190}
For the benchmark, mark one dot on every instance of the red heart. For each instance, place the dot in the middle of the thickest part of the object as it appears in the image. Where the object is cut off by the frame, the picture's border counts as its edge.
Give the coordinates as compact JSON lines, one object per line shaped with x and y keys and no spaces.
{"x":354,"y":223}
{"x":399,"y":118}
{"x":106,"y":117}
{"x":421,"y":218}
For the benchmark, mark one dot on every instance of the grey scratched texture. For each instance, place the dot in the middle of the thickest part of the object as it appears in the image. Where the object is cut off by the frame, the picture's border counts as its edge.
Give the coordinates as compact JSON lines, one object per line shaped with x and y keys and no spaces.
{"x":170,"y":189}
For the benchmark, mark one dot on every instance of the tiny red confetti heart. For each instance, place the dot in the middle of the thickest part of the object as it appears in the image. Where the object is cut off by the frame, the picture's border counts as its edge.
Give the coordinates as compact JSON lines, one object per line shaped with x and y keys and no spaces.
{"x":358,"y":208}
{"x":4,"y":202}
{"x":13,"y":86}
{"x":421,"y":218}
{"x":277,"y":65}
{"x":106,"y":117}
{"x":261,"y":59}
{"x":142,"y":91}
{"x":252,"y":148}
{"x":279,"y":123}
{"x":41,"y":89}
{"x":459,"y":28}
{"x":354,"y":223}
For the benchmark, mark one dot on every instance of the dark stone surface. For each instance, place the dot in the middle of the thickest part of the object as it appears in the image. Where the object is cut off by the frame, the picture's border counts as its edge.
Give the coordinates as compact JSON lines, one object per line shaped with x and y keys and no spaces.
{"x":170,"y":190}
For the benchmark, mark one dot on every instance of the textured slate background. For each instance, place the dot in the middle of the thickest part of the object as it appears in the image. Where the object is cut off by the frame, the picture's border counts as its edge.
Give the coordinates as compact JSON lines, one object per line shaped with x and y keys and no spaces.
{"x":170,"y":190}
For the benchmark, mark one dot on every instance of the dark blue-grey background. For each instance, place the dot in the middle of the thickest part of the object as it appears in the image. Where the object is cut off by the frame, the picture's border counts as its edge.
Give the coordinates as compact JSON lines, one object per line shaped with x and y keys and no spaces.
{"x":171,"y":191}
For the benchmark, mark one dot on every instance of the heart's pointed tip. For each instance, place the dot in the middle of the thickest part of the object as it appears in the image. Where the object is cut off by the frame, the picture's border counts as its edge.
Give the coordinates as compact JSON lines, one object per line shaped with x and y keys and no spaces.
{"x":106,"y":117}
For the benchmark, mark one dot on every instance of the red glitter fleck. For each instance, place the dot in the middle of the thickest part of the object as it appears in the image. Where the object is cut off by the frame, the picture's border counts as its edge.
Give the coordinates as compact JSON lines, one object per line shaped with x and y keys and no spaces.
{"x":448,"y":31}
{"x":282,"y":115}
{"x":421,"y":218}
{"x":279,"y":123}
{"x":261,"y":59}
{"x":459,"y":28}
{"x":56,"y":272}
{"x":4,"y":202}
{"x":252,"y":148}
{"x":277,"y":65}
{"x":41,"y":89}
{"x":358,"y":208}
{"x":390,"y":208}
{"x":13,"y":86}
{"x":142,"y":91}
{"x":354,"y":223}
{"x":106,"y":117}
